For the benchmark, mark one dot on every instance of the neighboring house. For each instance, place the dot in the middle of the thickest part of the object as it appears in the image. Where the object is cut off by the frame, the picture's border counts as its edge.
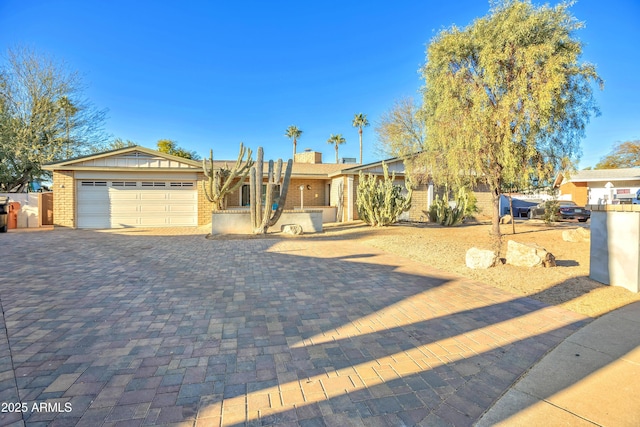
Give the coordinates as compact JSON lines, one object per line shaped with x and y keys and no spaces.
{"x":600,"y":186}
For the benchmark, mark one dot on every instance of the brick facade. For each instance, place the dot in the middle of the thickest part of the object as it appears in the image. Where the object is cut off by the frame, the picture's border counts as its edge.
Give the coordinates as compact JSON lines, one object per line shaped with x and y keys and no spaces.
{"x":204,"y":205}
{"x":314,"y":193}
{"x":419,"y":210}
{"x":64,"y":199}
{"x":484,"y":199}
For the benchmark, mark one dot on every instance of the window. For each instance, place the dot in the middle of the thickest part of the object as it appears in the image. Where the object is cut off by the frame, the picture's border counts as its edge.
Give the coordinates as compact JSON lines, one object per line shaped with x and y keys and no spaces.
{"x":246,"y":195}
{"x":123,"y":184}
{"x":154,"y":184}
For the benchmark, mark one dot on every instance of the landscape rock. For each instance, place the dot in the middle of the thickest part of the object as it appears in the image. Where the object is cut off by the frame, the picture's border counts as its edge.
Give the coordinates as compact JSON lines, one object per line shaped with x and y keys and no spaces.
{"x":528,"y":255}
{"x":571,"y":236}
{"x":576,"y":235}
{"x":507,"y":219}
{"x":585,"y":233}
{"x":293,"y":229}
{"x":480,"y":258}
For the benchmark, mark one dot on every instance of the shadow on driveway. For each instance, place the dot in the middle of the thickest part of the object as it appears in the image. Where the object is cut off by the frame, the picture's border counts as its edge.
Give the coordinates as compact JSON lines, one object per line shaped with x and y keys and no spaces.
{"x":158,"y":329}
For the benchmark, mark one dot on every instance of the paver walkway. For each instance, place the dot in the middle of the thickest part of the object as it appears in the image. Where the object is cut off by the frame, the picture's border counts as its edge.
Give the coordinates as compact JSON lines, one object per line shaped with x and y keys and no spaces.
{"x":150,"y":328}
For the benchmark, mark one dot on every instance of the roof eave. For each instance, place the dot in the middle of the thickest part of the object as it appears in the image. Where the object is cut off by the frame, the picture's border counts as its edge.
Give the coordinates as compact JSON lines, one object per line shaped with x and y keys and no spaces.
{"x":628,"y":178}
{"x":66,"y":163}
{"x":119,"y":169}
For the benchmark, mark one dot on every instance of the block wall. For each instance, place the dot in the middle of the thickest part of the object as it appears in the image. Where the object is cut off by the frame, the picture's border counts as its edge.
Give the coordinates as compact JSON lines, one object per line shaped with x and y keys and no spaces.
{"x":419,"y":210}
{"x":64,"y":199}
{"x":204,"y":205}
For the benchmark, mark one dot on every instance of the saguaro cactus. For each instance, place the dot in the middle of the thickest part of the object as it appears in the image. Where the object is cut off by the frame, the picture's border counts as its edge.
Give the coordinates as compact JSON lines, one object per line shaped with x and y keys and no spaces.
{"x":221,"y":181}
{"x":264,"y":216}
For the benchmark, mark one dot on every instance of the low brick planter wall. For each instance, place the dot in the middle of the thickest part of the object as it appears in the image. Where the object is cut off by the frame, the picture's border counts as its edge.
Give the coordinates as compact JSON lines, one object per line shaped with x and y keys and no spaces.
{"x":329,"y":213}
{"x":239,"y":221}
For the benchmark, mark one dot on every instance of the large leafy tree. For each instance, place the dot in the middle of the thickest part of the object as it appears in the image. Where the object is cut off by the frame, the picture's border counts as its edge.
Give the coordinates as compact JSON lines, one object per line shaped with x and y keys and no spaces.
{"x":336,"y":140}
{"x":43,"y":117}
{"x":506,"y":99}
{"x":401,"y":133}
{"x":293,"y":133}
{"x":624,"y":155}
{"x":119,"y":143}
{"x":360,"y":121}
{"x":170,"y":146}
{"x":400,"y":129}
{"x":114,"y":144}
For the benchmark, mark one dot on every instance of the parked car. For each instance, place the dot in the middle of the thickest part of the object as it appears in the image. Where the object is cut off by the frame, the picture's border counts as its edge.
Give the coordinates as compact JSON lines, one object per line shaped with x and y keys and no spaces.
{"x":567,"y":210}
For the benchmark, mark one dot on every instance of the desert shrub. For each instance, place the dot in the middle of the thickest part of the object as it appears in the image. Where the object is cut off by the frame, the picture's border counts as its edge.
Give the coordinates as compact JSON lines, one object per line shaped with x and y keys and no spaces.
{"x":551,"y":211}
{"x":472,"y":204}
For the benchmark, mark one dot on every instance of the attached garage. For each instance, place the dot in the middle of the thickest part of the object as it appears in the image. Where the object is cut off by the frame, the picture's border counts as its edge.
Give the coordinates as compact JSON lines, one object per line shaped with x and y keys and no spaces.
{"x":131,"y":187}
{"x":116,"y":204}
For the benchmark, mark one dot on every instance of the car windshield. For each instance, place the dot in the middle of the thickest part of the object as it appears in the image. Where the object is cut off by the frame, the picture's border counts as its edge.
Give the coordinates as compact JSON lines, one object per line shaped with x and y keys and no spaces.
{"x":567,"y":203}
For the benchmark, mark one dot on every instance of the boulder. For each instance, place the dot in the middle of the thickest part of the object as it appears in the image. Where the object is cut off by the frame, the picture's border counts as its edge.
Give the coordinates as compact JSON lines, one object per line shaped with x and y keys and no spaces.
{"x":480,"y":258}
{"x":293,"y":229}
{"x":528,"y":255}
{"x":571,"y":236}
{"x":585,"y":233}
{"x":576,"y":235}
{"x":507,"y":219}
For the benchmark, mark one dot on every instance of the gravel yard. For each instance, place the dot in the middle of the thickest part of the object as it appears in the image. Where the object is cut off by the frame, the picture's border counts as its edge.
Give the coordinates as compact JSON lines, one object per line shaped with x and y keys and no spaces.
{"x":567,"y":285}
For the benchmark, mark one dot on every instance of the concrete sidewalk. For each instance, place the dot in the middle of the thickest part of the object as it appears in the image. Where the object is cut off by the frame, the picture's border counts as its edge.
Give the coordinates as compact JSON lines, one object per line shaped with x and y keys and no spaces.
{"x":591,"y":378}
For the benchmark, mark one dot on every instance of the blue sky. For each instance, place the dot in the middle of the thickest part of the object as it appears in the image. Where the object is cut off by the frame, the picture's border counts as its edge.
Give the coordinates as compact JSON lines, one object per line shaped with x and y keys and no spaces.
{"x":210,"y":74}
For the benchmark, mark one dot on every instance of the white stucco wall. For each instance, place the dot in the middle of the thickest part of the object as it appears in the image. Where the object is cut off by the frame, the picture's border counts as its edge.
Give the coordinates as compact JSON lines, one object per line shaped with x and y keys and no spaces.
{"x":615,"y":246}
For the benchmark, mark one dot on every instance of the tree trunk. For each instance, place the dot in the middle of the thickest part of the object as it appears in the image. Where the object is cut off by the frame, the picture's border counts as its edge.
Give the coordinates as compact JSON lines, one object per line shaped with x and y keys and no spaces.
{"x":336,"y":153}
{"x":495,"y":218}
{"x":360,"y":132}
{"x":513,"y":218}
{"x":495,"y":223}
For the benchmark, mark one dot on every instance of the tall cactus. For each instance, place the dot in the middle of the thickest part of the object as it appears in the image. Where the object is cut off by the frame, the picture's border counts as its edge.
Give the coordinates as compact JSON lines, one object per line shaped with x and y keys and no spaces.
{"x":440,"y":212}
{"x":263,"y":217}
{"x":379,"y":201}
{"x":221,"y":181}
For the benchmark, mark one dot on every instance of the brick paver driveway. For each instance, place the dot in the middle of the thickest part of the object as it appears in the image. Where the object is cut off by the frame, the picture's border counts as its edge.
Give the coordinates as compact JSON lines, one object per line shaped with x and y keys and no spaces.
{"x":166,"y":327}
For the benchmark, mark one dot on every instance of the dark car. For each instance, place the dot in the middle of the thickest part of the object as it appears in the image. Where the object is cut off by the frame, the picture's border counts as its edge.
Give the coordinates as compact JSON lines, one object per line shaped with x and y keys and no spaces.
{"x":567,"y":210}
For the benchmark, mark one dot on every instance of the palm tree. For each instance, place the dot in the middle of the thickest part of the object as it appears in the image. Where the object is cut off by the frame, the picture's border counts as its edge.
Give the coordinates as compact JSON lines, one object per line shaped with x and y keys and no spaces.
{"x":294,"y":133}
{"x":69,"y":110}
{"x":360,"y":121}
{"x":336,"y":140}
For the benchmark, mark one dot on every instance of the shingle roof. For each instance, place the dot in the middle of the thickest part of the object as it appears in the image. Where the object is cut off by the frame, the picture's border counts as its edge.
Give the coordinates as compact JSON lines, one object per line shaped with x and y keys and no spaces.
{"x":299,"y":170}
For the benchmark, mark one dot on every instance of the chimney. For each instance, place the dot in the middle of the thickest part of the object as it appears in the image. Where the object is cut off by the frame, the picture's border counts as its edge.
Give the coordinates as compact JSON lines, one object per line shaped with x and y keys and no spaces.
{"x":308,"y":156}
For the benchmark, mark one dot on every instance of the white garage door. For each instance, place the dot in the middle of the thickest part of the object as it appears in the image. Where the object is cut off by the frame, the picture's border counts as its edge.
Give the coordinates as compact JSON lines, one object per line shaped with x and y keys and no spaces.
{"x":117,"y":204}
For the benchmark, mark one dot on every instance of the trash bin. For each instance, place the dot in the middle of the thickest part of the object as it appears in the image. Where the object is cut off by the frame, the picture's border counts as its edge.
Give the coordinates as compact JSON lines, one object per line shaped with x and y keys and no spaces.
{"x":4,"y":213}
{"x":12,"y":219}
